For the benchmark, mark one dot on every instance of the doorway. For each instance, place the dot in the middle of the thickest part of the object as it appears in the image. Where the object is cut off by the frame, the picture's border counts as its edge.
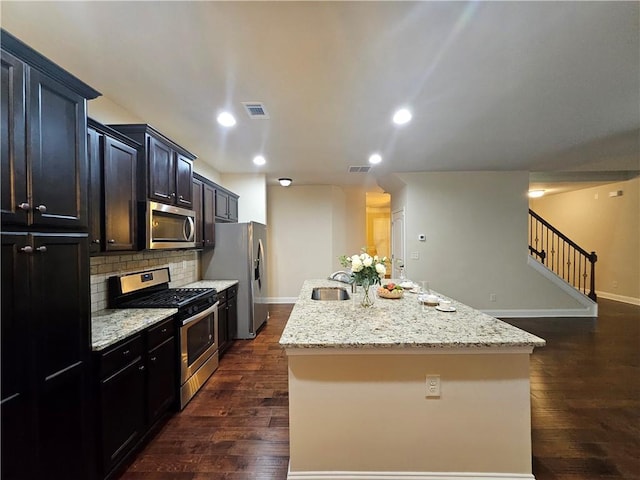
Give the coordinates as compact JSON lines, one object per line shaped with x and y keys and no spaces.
{"x":397,"y":243}
{"x":378,"y":214}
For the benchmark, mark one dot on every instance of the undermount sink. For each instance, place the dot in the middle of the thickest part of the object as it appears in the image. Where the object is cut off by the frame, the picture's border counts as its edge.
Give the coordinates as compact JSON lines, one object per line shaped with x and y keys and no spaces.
{"x":329,"y":293}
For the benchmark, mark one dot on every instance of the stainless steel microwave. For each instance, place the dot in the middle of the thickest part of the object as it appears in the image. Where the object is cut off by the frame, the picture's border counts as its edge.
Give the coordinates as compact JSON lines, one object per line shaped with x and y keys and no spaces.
{"x":169,"y":227}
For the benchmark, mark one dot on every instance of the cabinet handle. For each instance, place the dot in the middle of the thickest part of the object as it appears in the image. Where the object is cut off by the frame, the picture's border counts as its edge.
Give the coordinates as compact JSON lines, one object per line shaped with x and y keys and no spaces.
{"x":153,"y":359}
{"x":164,"y":330}
{"x":24,"y":206}
{"x":141,"y":368}
{"x":97,"y":240}
{"x":41,"y":249}
{"x":27,"y":249}
{"x":111,"y":240}
{"x":173,"y":195}
{"x":126,"y":352}
{"x":181,"y":197}
{"x":42,"y":208}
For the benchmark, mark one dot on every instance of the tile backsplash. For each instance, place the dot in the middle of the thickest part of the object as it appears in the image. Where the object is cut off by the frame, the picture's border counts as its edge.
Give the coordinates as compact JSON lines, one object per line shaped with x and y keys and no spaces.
{"x":183,"y":265}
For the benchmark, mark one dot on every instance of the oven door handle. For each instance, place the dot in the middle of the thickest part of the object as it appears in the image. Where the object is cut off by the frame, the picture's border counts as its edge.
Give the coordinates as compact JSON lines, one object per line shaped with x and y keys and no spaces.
{"x":201,"y":314}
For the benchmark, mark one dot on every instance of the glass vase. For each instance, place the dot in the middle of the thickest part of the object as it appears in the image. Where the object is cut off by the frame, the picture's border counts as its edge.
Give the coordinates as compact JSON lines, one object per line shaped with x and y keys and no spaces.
{"x":368,"y":295}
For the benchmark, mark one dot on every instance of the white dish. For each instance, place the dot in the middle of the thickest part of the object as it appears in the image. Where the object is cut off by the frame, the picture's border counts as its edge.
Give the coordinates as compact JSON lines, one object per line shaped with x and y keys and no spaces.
{"x":445,"y":309}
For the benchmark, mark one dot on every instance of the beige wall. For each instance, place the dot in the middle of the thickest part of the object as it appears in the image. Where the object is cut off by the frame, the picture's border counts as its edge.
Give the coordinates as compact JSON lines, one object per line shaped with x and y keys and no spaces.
{"x":476,"y":229}
{"x":309,"y":228}
{"x":610,"y":226}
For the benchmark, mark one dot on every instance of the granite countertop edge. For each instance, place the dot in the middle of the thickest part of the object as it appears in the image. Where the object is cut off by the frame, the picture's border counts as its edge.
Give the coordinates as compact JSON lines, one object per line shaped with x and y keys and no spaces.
{"x":111,"y":326}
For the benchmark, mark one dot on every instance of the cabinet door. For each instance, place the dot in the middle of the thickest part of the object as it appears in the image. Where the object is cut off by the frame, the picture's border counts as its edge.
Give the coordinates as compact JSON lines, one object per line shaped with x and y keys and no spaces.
{"x":209,"y":205}
{"x":58,"y":154}
{"x":184,"y":178}
{"x":223,"y":326}
{"x":17,"y":425}
{"x":60,"y":312}
{"x":161,"y":172}
{"x":161,"y":383}
{"x":95,"y":191}
{"x":222,"y":205}
{"x":232,"y":308}
{"x":119,"y":195}
{"x":197,"y":207}
{"x":121,"y":413}
{"x":233,"y":208}
{"x":13,"y":189}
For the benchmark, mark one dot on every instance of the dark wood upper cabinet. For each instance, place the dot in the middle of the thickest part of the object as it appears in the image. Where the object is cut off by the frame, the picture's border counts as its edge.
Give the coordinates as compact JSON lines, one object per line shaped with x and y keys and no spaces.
{"x":184,"y":176}
{"x":57,"y":154}
{"x":204,"y":201}
{"x":226,"y":205}
{"x":162,"y":182}
{"x":113,"y":190}
{"x":13,"y":189}
{"x":209,"y":205}
{"x":44,"y":146}
{"x":165,"y":169}
{"x":120,"y":162}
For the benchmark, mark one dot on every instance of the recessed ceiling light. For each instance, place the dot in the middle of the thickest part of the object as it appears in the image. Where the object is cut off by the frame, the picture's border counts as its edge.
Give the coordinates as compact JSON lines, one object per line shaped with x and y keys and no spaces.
{"x":226,"y":119}
{"x":259,"y":160}
{"x":285,"y":182}
{"x":375,"y":159}
{"x":402,"y":116}
{"x":536,"y":193}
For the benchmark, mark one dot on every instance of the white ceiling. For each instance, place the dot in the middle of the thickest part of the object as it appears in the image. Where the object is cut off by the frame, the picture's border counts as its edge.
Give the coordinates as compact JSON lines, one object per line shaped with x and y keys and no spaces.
{"x":539,"y":86}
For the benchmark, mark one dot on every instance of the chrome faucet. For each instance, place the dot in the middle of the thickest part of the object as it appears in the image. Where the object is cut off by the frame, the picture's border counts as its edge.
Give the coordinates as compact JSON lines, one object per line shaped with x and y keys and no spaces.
{"x":341,"y":276}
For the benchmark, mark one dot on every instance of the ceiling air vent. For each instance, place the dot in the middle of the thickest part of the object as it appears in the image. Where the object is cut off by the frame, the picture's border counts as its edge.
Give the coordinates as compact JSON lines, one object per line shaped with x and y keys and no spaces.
{"x":359,"y":169}
{"x":256,"y":110}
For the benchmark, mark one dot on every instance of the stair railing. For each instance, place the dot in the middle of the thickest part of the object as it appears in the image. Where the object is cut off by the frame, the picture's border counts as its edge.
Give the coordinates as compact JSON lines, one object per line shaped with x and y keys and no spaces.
{"x":562,"y":255}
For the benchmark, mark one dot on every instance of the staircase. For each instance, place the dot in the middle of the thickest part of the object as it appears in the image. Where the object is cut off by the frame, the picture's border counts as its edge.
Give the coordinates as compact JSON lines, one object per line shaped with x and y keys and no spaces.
{"x":562,"y":255}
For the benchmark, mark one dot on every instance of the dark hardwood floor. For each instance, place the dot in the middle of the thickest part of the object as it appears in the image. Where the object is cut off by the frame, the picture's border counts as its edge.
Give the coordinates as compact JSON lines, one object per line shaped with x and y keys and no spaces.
{"x":585,"y":392}
{"x":585,"y":395}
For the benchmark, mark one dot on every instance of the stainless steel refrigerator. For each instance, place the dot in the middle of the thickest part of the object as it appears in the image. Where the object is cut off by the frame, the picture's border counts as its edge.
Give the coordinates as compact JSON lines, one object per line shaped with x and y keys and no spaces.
{"x":240,"y":254}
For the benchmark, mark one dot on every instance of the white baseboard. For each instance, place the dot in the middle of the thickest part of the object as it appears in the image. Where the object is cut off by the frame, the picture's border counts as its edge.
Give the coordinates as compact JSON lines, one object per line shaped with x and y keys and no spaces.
{"x":618,"y":298}
{"x":407,"y":476}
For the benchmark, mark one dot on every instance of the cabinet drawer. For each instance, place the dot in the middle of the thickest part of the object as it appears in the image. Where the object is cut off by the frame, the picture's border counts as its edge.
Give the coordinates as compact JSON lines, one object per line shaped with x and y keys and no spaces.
{"x":117,"y":358}
{"x":222,"y":296}
{"x":161,"y":332}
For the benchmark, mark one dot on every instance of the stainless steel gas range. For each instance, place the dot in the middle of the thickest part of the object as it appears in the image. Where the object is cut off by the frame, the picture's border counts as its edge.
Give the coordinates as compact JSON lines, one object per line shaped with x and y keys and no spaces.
{"x":197,"y":321}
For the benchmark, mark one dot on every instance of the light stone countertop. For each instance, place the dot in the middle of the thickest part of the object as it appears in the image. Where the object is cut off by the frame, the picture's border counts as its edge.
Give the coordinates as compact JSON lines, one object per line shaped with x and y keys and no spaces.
{"x":112,"y":325}
{"x":402,"y":323}
{"x":219,"y":285}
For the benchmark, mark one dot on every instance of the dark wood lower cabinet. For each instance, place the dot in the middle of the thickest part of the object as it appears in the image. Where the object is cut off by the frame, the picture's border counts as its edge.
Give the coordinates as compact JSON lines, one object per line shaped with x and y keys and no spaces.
{"x":227,"y":318}
{"x":137,"y":389}
{"x":161,"y":382}
{"x":46,"y":420}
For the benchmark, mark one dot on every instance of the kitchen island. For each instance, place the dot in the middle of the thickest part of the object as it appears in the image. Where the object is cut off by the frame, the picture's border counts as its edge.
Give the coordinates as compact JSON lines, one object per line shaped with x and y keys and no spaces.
{"x":358,"y":395}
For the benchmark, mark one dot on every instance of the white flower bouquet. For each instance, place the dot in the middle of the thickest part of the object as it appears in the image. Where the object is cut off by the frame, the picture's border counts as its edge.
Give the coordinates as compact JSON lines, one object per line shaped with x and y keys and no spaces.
{"x":366,"y":271}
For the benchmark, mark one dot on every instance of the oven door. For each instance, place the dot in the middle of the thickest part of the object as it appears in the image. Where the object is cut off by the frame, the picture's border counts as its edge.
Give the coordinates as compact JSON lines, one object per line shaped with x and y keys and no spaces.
{"x":198,"y":341}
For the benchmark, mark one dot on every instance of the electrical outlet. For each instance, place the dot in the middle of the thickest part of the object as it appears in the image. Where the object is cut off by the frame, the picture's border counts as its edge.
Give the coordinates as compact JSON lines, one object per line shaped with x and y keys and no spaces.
{"x":433,"y":386}
{"x":492,"y":297}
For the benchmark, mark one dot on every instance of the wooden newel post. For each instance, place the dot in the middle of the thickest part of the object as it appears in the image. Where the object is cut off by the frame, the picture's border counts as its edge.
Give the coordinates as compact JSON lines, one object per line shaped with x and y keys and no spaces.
{"x":593,"y":258}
